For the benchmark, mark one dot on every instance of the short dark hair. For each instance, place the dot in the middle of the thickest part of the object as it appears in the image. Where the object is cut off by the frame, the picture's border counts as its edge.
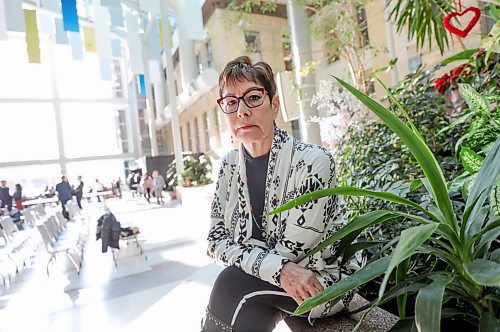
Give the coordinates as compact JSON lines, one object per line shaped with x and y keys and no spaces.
{"x":241,"y":69}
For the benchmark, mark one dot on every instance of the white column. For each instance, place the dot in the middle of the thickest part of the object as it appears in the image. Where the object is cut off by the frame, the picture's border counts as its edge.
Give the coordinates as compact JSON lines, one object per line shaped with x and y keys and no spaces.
{"x":187,"y":58}
{"x":133,"y":117}
{"x":56,"y":103}
{"x":134,"y":131}
{"x":390,"y":43}
{"x":159,"y":88}
{"x":301,"y":51}
{"x":172,"y":97}
{"x":150,"y":106}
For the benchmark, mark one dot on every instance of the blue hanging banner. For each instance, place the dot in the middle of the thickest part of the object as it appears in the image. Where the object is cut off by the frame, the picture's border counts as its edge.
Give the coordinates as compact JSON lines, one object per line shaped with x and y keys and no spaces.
{"x":14,"y":16}
{"x":76,"y":45}
{"x":105,"y":66}
{"x":142,"y":85}
{"x":116,"y":48}
{"x":70,"y":16}
{"x":116,"y":16}
{"x":61,"y":34}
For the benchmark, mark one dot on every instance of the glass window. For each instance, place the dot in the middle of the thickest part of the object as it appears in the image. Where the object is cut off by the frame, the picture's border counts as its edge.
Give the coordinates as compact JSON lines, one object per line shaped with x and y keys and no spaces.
{"x":33,"y":178}
{"x":206,"y":129}
{"x":252,"y":42}
{"x":80,"y":79}
{"x":19,"y":78}
{"x":30,"y":130}
{"x":90,"y":130}
{"x":104,"y":170}
{"x":197,"y":137}
{"x":210,"y":54}
{"x":189,"y":137}
{"x":363,"y":26}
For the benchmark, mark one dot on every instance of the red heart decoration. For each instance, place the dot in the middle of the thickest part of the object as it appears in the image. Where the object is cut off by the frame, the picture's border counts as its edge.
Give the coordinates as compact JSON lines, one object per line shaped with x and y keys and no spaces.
{"x":462,"y":33}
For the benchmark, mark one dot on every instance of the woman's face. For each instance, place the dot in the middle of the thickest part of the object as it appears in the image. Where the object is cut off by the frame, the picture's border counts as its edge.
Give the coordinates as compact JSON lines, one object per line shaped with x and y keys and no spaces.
{"x":251,"y":125}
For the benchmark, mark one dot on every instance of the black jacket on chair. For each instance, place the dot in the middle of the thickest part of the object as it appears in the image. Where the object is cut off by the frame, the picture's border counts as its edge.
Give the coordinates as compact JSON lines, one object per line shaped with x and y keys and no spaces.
{"x":108,"y":228}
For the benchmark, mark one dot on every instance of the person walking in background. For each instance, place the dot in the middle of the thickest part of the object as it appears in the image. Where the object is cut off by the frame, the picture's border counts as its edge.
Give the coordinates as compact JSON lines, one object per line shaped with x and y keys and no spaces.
{"x":98,"y":187}
{"x":5,"y":196}
{"x":18,"y":197}
{"x":159,"y":184}
{"x":64,"y":192}
{"x":147,"y":185}
{"x":79,"y":191}
{"x":118,"y":188}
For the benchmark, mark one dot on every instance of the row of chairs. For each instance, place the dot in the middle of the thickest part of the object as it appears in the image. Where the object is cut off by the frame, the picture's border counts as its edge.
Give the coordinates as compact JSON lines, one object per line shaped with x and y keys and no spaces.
{"x":58,"y":237}
{"x":18,"y":249}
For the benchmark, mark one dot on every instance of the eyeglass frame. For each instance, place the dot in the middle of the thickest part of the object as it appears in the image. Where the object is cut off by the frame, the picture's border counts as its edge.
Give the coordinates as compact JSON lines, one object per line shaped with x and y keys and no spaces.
{"x":261,"y":89}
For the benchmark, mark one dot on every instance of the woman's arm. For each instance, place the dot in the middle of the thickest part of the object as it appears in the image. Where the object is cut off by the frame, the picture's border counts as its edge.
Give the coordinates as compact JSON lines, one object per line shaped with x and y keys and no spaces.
{"x":222,"y":245}
{"x":308,"y":225}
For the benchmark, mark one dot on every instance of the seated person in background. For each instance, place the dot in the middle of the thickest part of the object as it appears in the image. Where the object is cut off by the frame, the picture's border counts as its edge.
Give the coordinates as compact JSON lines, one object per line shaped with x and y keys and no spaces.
{"x":5,"y":197}
{"x":268,"y":273}
{"x":18,"y":197}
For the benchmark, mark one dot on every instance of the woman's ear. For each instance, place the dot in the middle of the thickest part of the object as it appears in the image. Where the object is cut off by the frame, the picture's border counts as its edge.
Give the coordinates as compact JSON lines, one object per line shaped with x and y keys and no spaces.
{"x":275,"y":104}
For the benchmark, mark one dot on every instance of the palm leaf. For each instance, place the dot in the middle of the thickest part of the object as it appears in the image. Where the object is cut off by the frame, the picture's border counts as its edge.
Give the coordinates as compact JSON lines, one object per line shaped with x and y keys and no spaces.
{"x":419,"y":149}
{"x":464,"y":55}
{"x":343,"y":286}
{"x":350,"y":191}
{"x":411,"y":239}
{"x":428,"y":305}
{"x":488,"y":175}
{"x":484,"y":272}
{"x":358,"y":223}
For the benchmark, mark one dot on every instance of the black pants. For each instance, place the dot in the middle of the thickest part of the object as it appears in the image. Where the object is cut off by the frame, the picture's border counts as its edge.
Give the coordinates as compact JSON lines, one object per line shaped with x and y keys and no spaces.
{"x":242,"y":302}
{"x":79,"y":200}
{"x":64,"y":211}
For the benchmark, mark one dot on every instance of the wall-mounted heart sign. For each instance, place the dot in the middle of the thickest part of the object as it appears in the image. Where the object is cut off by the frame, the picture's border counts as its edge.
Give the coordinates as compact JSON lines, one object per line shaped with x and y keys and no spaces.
{"x":462,"y":33}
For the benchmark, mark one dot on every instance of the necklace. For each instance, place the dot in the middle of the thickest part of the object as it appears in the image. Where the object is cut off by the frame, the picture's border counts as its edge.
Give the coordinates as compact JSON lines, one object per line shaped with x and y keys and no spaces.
{"x":255,"y":219}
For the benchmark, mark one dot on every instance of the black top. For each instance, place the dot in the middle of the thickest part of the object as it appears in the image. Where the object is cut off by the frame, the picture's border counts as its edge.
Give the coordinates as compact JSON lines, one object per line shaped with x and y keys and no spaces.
{"x":256,"y":175}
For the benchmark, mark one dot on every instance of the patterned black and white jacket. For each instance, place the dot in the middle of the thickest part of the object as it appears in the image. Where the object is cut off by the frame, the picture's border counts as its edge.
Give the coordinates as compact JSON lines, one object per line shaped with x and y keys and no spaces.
{"x":294,"y":168}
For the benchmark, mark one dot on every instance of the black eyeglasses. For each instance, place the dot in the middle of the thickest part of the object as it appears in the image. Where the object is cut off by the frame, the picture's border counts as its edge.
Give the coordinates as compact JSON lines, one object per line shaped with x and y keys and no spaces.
{"x":252,"y":98}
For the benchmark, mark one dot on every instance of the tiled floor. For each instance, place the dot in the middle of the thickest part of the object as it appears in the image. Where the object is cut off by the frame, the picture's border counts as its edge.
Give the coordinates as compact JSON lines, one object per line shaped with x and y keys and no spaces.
{"x":168,"y":291}
{"x":165,"y":292}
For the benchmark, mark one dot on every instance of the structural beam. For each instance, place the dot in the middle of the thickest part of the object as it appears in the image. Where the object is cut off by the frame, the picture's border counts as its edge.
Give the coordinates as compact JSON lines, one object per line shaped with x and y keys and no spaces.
{"x":301,"y":51}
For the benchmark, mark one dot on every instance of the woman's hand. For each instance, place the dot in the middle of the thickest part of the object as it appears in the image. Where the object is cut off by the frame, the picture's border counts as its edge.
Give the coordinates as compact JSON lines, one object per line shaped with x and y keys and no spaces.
{"x":299,"y":282}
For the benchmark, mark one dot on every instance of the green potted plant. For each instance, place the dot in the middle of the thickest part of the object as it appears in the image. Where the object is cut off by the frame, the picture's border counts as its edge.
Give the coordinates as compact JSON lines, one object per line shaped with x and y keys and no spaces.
{"x":462,"y":246}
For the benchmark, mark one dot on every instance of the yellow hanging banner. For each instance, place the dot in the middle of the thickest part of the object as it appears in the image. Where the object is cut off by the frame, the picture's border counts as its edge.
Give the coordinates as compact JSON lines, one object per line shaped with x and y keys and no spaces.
{"x":160,"y":26}
{"x":169,"y":29}
{"x":89,"y":39}
{"x":32,"y":39}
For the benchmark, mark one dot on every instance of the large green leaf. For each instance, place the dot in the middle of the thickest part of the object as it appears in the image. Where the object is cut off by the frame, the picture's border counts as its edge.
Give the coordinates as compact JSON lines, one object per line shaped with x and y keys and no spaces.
{"x":428,"y":305}
{"x":488,"y":175}
{"x":420,"y":151}
{"x":493,"y":225}
{"x":475,"y":101}
{"x":495,"y":200}
{"x":471,"y":160}
{"x":411,"y":239}
{"x":489,"y":323}
{"x":353,"y":248}
{"x":404,"y":325}
{"x":484,"y":272}
{"x":349,"y":191}
{"x":341,"y":287}
{"x":464,"y":55}
{"x":358,"y":223}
